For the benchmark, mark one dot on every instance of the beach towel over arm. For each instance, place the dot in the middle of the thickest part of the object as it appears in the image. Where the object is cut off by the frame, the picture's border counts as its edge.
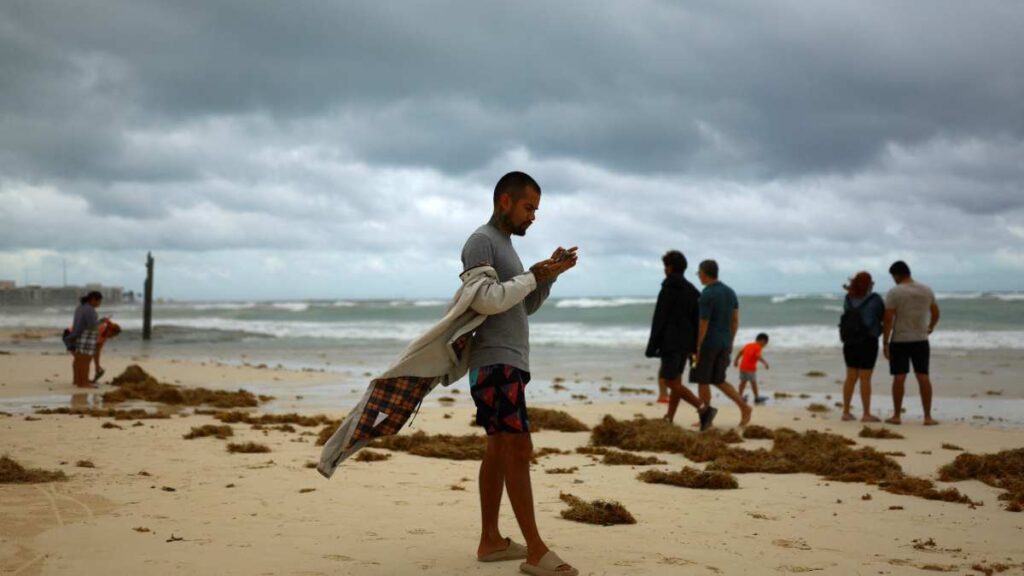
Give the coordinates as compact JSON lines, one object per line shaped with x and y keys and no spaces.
{"x":439,"y":356}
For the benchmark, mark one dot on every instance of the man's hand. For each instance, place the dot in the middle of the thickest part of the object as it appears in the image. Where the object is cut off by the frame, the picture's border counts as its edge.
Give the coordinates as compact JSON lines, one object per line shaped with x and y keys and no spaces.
{"x":560,"y":261}
{"x":885,"y":351}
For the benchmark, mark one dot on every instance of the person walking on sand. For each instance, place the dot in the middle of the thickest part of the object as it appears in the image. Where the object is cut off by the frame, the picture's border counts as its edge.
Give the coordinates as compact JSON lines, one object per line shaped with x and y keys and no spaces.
{"x":84,"y":332}
{"x":859,"y":328}
{"x":499,"y":362}
{"x":674,"y":336}
{"x":719,"y":321}
{"x":911,"y":314}
{"x":746,"y":361}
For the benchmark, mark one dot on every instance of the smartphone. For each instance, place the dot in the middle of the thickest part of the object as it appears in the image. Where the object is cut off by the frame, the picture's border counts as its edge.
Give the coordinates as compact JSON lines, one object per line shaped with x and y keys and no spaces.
{"x":565,"y":255}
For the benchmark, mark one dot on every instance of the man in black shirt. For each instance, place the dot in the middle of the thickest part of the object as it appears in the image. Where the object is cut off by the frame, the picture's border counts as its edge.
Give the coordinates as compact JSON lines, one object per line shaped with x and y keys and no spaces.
{"x":674,"y":336}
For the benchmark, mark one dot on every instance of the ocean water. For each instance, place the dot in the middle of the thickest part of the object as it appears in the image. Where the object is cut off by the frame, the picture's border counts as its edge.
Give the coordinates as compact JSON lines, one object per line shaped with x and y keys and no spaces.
{"x":595,"y":344}
{"x":970,"y":321}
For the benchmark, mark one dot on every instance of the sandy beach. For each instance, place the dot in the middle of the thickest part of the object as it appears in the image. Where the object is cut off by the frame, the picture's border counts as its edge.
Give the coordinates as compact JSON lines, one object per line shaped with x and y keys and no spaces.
{"x":155,"y":502}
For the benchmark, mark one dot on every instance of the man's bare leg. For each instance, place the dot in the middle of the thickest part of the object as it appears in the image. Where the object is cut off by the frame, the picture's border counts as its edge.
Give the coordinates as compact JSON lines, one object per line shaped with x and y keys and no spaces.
{"x":704,"y":393}
{"x":730,"y":392}
{"x":743,"y":386}
{"x":865,"y":396}
{"x":517,"y":450}
{"x":924,"y":382}
{"x":897,"y":398}
{"x":680,"y":392}
{"x":492,"y":486}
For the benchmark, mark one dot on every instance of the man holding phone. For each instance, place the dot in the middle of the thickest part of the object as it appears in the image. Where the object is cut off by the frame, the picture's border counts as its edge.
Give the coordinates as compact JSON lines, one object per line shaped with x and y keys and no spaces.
{"x":499,"y":362}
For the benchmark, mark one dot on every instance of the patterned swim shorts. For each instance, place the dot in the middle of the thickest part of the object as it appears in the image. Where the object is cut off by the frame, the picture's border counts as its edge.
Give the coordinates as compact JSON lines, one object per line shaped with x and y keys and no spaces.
{"x":499,"y":392}
{"x":87,"y":343}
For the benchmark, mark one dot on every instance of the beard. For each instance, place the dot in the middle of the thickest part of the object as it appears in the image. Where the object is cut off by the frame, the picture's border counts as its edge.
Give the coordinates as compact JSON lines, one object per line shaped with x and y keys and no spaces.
{"x":517,"y":230}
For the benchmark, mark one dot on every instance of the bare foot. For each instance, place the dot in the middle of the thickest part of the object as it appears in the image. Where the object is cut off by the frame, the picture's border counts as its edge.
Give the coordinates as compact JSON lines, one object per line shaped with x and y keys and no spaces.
{"x":847,"y":417}
{"x":870,"y":418}
{"x":894,"y":420}
{"x":930,"y":422}
{"x":745,"y":413}
{"x":486,"y":548}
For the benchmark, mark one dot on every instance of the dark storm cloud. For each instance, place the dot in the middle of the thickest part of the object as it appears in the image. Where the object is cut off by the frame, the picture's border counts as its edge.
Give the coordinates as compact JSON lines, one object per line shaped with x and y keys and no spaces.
{"x":822,"y":135}
{"x":784,"y":88}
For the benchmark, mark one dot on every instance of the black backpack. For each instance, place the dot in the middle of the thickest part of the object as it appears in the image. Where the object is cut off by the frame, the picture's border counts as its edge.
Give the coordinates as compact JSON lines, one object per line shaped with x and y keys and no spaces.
{"x":851,"y":325}
{"x":69,"y":342}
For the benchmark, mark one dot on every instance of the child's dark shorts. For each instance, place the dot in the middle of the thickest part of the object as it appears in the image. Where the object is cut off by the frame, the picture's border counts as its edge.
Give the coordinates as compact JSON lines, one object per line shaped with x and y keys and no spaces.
{"x":499,"y":392}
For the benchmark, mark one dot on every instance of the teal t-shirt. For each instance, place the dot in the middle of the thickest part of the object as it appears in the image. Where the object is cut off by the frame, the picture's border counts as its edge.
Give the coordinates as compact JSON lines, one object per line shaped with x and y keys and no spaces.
{"x":717,"y":302}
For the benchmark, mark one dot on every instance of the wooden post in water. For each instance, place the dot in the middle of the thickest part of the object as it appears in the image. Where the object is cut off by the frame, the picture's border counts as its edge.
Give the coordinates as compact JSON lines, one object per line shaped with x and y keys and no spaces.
{"x":147,"y":305}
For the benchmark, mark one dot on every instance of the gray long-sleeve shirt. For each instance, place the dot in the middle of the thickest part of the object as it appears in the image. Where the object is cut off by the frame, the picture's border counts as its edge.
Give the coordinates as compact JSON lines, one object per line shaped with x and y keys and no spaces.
{"x":86,"y":318}
{"x":503,"y":338}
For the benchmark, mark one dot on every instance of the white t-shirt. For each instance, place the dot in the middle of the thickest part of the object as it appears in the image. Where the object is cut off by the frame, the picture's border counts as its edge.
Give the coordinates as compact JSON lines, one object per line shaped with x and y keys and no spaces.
{"x":912,"y":302}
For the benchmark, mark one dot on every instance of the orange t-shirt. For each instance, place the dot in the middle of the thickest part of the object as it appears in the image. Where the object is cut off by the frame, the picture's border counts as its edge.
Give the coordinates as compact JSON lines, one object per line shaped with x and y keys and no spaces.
{"x":749,"y":357}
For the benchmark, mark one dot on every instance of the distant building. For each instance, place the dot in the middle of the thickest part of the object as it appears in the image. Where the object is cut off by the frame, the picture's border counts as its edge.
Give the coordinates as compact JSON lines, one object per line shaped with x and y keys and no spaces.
{"x":12,"y":295}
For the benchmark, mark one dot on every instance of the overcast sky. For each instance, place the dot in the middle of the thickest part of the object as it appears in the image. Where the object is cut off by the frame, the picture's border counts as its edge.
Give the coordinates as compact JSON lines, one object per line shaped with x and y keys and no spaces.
{"x":323,"y":149}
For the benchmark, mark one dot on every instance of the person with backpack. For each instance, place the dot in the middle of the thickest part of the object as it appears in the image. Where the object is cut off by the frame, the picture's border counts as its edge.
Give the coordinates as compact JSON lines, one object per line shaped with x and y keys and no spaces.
{"x":859,"y":329}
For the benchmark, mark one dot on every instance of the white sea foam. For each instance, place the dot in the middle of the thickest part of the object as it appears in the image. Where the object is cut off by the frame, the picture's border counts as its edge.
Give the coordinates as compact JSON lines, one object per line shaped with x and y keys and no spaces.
{"x":217,"y":306}
{"x":291,"y":306}
{"x":1009,"y":296}
{"x":602,"y":302}
{"x":782,"y":298}
{"x":428,"y":303}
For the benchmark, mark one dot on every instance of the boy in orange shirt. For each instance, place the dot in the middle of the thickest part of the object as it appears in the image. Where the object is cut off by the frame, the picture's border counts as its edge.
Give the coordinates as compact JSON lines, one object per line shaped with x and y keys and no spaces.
{"x":747,"y":361}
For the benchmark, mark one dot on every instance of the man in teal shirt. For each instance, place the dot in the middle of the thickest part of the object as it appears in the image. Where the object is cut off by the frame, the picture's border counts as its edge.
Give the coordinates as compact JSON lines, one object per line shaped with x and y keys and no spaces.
{"x":719,"y":321}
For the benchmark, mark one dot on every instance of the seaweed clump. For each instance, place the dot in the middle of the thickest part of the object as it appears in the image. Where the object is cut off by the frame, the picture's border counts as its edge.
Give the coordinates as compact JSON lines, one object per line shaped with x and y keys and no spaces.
{"x":648,"y":435}
{"x":135,"y":384}
{"x":600,"y":512}
{"x":1004,"y":470}
{"x":326,"y":432}
{"x":446,"y":446}
{"x":220,"y":432}
{"x":248,"y":448}
{"x":691,"y":478}
{"x":548,"y":419}
{"x":11,"y":472}
{"x":116,"y":414}
{"x":879,"y":433}
{"x":757,"y":432}
{"x":827,"y":455}
{"x":239,"y":417}
{"x":371,"y":456}
{"x":620,"y":458}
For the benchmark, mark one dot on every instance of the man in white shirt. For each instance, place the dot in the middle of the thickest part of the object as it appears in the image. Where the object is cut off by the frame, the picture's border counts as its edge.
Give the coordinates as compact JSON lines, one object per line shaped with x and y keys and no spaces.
{"x":911,"y":314}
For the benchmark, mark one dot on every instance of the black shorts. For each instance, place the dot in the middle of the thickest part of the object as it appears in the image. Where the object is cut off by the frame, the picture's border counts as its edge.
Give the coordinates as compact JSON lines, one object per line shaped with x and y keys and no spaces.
{"x":499,"y":392}
{"x":711,"y":366}
{"x":861,"y":355}
{"x":672,"y":366}
{"x":903,"y":354}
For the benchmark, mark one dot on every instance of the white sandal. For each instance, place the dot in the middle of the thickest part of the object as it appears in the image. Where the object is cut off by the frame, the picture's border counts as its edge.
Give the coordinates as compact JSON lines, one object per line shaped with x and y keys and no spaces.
{"x":548,"y":566}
